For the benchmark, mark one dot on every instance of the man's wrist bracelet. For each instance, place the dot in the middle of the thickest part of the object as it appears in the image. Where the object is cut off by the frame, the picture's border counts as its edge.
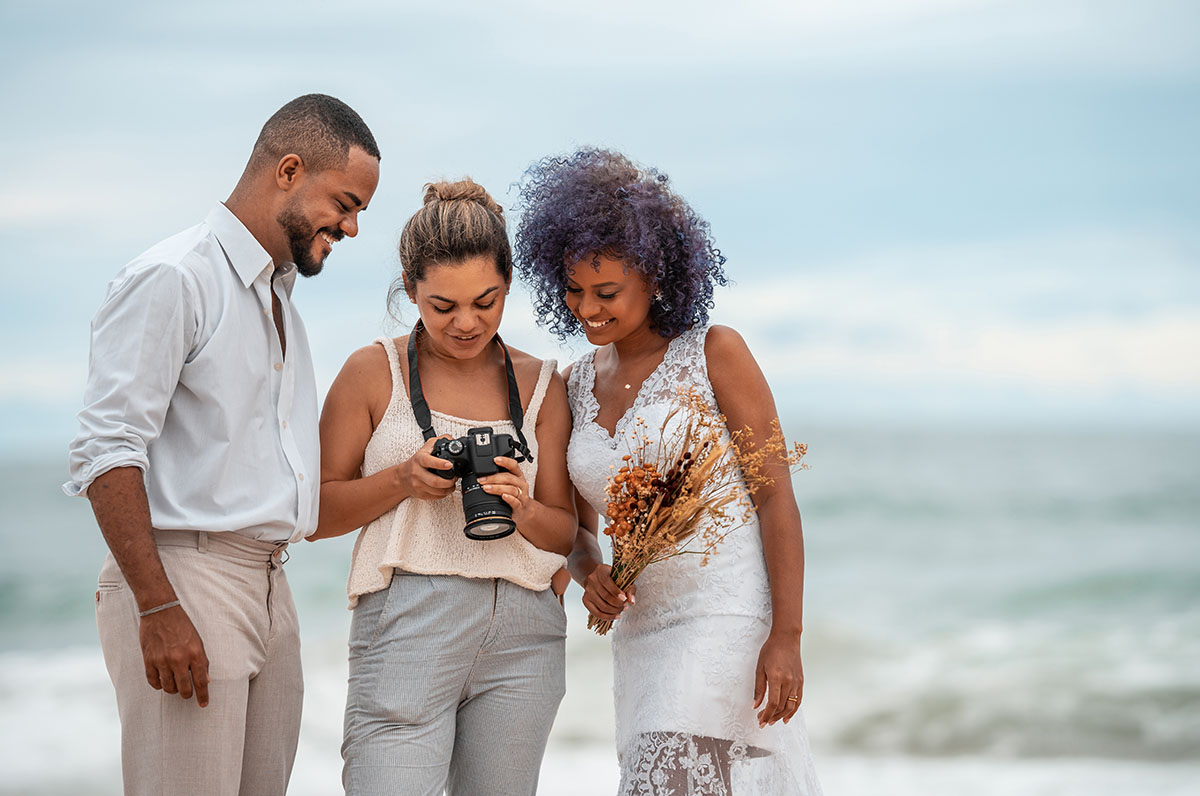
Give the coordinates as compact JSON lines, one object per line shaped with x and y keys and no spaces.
{"x":158,"y":608}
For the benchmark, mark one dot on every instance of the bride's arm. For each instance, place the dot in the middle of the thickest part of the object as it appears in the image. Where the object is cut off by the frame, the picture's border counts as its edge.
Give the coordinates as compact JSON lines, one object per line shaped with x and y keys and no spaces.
{"x":745,"y":399}
{"x":600,"y":595}
{"x":585,"y":554}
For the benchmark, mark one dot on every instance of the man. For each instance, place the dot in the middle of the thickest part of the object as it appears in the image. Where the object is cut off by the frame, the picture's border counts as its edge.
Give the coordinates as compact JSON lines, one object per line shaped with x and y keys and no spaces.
{"x":198,"y":450}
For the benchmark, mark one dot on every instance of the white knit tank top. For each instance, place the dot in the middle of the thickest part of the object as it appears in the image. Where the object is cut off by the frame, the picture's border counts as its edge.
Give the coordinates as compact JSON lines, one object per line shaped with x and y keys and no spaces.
{"x":426,"y":536}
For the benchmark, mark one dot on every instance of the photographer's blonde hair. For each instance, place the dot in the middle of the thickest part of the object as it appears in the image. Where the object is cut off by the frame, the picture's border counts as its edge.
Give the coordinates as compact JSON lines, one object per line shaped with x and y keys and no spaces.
{"x":458,"y":220}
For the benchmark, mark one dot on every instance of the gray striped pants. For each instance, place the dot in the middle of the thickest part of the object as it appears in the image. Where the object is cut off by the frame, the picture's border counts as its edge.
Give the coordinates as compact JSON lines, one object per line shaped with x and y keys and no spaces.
{"x":454,"y":684}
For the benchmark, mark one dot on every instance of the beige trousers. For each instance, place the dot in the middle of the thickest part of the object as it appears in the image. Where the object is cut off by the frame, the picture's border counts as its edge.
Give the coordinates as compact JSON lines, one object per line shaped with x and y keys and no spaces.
{"x":244,"y":742}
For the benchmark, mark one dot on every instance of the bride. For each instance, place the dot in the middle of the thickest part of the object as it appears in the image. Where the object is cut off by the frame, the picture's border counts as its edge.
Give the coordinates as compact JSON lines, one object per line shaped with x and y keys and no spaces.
{"x":706,"y":659}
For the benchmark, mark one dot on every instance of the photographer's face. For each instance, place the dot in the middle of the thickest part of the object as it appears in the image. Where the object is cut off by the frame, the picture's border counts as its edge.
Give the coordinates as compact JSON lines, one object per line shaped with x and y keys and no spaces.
{"x":610,"y":300}
{"x":461,"y":305}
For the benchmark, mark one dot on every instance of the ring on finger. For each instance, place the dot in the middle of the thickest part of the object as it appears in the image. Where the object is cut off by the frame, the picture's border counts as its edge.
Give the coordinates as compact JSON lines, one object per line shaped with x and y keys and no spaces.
{"x":793,"y":699}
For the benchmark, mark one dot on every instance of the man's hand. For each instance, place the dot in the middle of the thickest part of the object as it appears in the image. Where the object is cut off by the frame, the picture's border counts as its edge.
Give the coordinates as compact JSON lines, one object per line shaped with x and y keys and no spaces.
{"x":174,"y":654}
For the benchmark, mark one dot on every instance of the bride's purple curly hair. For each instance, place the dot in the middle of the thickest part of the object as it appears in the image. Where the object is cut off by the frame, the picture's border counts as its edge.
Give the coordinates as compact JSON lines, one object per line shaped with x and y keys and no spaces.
{"x":596,"y":201}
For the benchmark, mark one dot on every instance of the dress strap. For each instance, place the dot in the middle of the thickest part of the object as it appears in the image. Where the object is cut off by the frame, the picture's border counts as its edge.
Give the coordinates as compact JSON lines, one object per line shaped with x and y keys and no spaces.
{"x":683,"y":363}
{"x":695,"y":356}
{"x":579,"y":390}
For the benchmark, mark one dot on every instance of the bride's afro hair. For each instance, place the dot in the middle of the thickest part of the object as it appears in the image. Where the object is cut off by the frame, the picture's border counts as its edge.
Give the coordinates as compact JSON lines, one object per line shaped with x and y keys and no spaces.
{"x":596,"y":201}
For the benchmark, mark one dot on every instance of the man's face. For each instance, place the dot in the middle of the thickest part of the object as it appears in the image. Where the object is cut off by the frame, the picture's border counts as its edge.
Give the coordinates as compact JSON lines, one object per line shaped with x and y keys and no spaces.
{"x":324,"y":208}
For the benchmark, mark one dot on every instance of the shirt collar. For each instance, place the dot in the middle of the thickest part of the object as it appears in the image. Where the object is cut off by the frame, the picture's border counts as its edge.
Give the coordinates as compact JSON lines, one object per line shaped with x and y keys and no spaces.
{"x":247,"y":256}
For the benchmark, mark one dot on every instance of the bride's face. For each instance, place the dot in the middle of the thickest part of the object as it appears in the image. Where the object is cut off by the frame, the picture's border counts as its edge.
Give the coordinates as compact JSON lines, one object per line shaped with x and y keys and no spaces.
{"x":461,"y":305}
{"x":610,"y":300}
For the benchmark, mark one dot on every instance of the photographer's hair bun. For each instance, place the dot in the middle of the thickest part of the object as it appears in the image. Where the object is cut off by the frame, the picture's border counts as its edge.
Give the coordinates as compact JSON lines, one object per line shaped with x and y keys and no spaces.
{"x":458,"y":220}
{"x":464,"y":190}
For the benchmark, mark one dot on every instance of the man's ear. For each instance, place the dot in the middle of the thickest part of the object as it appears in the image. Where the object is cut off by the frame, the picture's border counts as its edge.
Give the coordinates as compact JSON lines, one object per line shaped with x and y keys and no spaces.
{"x":288,"y":171}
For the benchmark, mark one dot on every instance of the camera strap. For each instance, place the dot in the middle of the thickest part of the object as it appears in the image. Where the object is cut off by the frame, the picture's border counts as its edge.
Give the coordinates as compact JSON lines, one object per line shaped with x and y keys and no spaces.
{"x":421,"y":408}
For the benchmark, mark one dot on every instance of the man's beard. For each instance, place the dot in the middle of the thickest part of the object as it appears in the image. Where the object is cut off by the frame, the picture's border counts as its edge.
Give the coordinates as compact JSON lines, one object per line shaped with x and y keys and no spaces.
{"x":301,"y":236}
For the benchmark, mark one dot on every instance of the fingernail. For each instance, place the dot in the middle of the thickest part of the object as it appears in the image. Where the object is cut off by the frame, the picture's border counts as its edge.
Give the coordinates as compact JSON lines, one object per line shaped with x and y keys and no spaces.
{"x":632,"y":599}
{"x":622,"y":596}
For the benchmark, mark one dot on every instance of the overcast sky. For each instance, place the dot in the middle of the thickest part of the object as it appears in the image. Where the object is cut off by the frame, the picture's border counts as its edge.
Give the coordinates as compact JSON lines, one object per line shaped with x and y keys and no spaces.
{"x":968,"y":212}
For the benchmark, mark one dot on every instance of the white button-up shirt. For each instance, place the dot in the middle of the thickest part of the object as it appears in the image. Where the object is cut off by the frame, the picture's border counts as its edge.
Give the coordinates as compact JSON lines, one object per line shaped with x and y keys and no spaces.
{"x":187,"y":381}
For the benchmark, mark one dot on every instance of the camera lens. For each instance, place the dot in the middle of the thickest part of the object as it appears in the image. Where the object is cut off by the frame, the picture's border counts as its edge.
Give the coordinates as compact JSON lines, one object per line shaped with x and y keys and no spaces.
{"x":488,"y":516}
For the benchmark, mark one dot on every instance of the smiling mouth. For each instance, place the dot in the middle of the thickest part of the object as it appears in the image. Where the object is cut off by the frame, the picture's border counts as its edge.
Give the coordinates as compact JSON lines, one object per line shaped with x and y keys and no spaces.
{"x":599,"y":325}
{"x":325,"y":236}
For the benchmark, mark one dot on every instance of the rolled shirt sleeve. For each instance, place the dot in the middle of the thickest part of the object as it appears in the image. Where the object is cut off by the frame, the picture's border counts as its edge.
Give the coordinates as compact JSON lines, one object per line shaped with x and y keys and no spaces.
{"x":141,"y":337}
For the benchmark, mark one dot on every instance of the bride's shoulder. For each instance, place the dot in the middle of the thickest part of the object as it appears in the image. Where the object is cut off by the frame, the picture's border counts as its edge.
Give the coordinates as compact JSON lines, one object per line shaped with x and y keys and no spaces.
{"x":727,"y":349}
{"x":722,"y":342}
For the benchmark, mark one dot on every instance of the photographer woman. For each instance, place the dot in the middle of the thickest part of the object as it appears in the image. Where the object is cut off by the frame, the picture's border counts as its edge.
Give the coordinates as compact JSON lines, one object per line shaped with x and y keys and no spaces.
{"x":457,"y":644}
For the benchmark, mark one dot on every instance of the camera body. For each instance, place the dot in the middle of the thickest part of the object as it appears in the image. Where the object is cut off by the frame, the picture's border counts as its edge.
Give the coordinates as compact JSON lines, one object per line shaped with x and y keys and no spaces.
{"x":474,"y":453}
{"x":488,"y":516}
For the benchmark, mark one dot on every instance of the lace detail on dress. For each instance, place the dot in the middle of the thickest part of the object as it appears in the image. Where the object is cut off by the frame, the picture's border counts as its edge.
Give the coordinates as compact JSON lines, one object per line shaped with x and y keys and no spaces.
{"x":678,"y":764}
{"x":683,"y":363}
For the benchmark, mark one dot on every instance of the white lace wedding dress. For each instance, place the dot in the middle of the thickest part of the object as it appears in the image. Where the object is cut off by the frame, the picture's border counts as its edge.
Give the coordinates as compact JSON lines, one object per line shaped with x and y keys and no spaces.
{"x":684,"y":656}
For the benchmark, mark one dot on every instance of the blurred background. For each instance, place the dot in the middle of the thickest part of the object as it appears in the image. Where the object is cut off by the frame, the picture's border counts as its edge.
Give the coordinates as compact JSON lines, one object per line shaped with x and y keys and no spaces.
{"x":964,"y":248}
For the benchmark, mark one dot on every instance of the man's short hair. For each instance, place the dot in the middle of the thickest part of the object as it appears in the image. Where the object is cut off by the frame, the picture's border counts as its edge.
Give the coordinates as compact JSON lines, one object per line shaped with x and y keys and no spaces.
{"x":319,"y":128}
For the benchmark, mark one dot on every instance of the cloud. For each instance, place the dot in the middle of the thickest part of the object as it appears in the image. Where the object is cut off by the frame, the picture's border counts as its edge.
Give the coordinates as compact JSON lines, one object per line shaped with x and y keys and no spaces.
{"x":1094,"y":36}
{"x":33,"y":379}
{"x":1044,"y":315}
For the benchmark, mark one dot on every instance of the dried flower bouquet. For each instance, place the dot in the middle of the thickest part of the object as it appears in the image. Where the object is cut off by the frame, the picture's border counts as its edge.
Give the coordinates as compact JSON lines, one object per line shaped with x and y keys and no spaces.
{"x":691,"y":479}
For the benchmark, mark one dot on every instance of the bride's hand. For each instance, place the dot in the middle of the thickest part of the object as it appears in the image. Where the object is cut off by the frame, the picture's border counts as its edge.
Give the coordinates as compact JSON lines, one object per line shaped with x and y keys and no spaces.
{"x":602,"y":597}
{"x":780,"y":678}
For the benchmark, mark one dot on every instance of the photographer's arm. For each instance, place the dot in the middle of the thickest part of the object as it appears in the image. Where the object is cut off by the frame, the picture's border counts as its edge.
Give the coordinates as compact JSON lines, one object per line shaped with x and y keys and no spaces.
{"x":547,"y":517}
{"x":355,"y":404}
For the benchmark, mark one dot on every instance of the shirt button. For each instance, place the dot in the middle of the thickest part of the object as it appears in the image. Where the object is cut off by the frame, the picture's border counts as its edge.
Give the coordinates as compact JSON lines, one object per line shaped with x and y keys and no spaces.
{"x":301,"y":476}
{"x":266,"y":311}
{"x":285,"y":424}
{"x":278,"y":366}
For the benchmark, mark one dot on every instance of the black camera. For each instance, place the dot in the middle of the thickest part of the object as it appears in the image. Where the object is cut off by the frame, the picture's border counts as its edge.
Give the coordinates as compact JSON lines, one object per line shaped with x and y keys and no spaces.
{"x":488,"y":516}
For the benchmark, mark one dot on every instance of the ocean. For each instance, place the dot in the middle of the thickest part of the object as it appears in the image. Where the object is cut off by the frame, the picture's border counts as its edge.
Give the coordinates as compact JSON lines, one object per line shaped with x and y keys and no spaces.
{"x":987,"y":612}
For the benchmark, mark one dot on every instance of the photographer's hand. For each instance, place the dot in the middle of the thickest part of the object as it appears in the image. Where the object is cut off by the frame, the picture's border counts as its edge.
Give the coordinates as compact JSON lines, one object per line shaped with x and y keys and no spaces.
{"x":417,"y":481}
{"x":512,"y":488}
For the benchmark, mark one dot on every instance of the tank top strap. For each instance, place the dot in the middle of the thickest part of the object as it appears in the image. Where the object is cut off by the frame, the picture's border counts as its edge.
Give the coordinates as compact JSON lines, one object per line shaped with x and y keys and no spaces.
{"x":399,"y":389}
{"x":539,"y":392}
